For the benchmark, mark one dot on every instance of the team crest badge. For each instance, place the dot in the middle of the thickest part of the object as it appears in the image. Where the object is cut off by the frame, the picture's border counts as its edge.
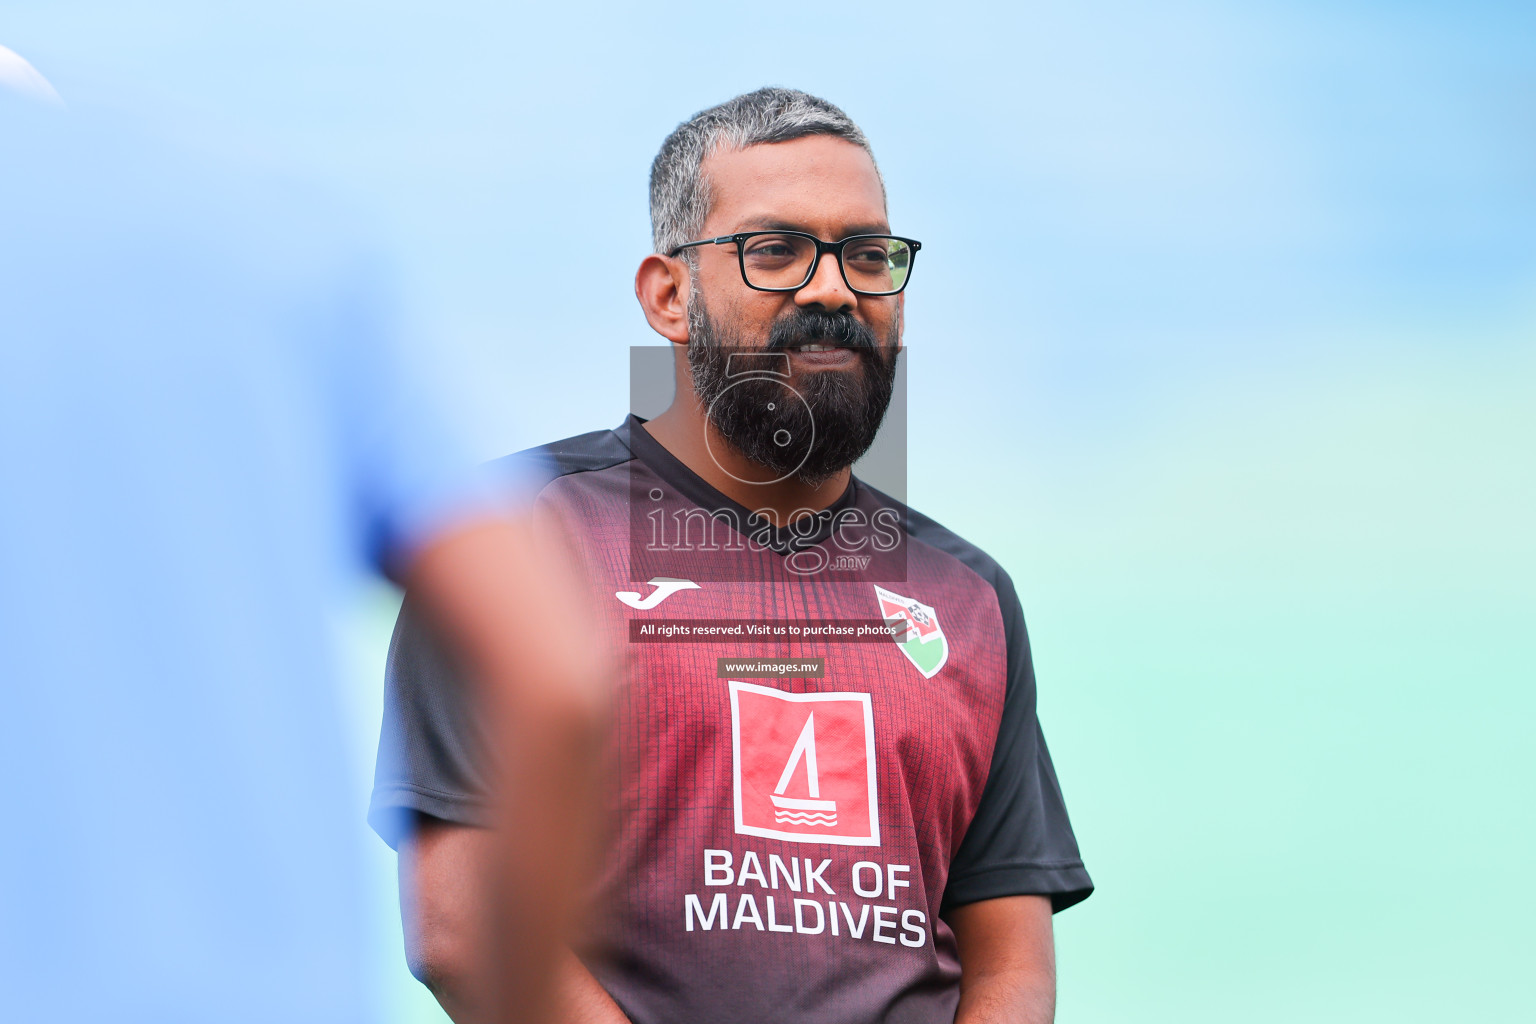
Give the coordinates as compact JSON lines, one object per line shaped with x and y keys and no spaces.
{"x":923,"y":642}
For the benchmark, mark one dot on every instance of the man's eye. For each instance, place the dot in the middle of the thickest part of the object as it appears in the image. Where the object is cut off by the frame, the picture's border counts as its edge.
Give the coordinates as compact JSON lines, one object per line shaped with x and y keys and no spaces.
{"x":770,"y":250}
{"x":866,"y":255}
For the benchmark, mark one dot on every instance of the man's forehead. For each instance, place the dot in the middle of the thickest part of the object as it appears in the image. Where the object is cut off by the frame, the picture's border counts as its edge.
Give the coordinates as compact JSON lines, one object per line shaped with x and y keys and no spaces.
{"x":800,"y":184}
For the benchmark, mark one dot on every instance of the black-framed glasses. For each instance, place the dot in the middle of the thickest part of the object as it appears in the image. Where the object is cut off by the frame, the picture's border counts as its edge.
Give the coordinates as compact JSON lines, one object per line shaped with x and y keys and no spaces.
{"x":785,"y":261}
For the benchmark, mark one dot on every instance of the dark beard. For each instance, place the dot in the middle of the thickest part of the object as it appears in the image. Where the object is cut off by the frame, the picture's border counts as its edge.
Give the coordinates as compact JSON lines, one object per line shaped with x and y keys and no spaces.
{"x":810,"y":430}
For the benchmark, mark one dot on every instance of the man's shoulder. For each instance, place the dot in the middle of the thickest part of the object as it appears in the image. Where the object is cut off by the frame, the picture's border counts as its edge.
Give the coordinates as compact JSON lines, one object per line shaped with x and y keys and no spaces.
{"x":591,"y":452}
{"x":933,"y":534}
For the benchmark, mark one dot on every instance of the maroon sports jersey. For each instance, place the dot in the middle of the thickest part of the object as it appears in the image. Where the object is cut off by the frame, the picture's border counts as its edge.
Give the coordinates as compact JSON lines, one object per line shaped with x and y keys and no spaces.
{"x":786,"y":845}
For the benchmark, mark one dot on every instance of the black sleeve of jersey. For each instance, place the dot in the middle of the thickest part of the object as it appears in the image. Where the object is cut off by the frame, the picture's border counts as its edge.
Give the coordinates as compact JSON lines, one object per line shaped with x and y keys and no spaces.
{"x":429,"y":746}
{"x":1020,"y":841}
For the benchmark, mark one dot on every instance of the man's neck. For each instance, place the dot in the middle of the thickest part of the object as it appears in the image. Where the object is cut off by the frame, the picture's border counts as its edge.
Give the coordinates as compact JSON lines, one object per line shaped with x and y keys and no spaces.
{"x":686,"y":432}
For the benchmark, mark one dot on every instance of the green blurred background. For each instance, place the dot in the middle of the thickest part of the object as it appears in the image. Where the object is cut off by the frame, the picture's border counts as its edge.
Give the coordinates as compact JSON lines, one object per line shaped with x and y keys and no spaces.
{"x":1283,"y":632}
{"x":1221,"y":342}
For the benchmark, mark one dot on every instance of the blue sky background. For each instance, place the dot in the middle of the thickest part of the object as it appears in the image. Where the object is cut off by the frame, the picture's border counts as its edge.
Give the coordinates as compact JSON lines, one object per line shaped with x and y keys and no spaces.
{"x":1220,"y":340}
{"x":1120,"y":190}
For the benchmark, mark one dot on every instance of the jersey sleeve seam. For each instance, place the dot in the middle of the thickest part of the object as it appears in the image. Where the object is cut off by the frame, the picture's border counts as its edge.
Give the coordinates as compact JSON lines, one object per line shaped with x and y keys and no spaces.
{"x":1022,"y":865}
{"x":1066,"y":882}
{"x":466,"y":799}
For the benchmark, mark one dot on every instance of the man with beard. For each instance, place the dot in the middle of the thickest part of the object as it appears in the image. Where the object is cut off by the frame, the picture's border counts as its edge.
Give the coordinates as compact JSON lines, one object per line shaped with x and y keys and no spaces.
{"x":834,"y":803}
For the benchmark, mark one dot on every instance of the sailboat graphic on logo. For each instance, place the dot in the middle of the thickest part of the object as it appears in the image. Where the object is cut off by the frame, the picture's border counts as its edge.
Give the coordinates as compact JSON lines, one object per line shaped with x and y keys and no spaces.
{"x":803,"y":765}
{"x":815,"y":811}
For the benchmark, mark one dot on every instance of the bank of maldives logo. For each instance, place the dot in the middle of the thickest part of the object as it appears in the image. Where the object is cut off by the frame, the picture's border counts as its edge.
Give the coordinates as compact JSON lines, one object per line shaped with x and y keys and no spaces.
{"x":923,"y":641}
{"x":804,"y":766}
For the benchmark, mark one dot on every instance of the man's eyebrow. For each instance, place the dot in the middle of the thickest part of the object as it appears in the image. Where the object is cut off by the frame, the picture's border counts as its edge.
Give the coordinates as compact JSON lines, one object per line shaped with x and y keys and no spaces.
{"x":774,"y":224}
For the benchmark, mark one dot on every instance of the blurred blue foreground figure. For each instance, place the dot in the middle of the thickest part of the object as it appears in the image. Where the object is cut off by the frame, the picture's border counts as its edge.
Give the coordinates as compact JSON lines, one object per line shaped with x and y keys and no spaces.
{"x":206,"y":431}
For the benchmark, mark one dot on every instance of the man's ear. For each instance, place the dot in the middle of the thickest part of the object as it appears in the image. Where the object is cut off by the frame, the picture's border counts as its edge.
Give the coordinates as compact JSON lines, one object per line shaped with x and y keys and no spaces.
{"x":661,"y":285}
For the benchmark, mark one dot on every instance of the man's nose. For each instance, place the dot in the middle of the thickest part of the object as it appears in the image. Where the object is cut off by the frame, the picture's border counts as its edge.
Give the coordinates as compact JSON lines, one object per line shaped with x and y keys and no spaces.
{"x":826,"y":290}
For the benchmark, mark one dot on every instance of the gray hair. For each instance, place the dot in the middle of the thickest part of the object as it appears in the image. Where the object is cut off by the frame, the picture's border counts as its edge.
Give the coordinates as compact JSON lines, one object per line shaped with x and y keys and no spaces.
{"x":680,"y":196}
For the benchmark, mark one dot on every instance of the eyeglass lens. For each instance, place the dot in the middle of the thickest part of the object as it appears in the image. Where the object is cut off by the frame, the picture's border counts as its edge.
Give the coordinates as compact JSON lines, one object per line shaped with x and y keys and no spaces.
{"x":874,"y":264}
